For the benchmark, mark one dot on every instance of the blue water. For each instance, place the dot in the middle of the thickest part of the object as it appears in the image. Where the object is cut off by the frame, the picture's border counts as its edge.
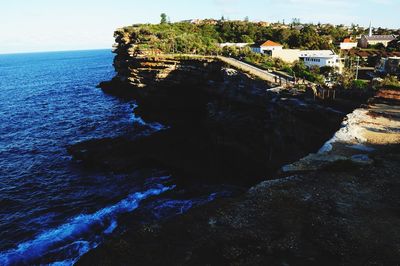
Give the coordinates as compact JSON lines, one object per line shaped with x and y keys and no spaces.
{"x":52,"y":211}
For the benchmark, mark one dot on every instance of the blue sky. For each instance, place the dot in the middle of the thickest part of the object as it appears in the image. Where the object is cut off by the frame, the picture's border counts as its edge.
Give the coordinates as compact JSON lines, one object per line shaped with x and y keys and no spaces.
{"x":52,"y":25}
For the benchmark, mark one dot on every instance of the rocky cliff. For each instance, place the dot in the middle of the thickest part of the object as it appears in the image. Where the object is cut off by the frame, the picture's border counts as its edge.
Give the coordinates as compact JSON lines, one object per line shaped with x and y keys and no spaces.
{"x":339,"y":206}
{"x":336,"y":206}
{"x":223,"y":124}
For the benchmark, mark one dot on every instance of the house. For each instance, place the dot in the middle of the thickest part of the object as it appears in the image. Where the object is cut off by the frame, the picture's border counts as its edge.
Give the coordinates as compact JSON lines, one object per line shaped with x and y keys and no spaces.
{"x":371,"y":39}
{"x":298,"y":27}
{"x":231,"y":44}
{"x":263,"y":23}
{"x":267,"y":47}
{"x":192,"y":21}
{"x":348,"y":44}
{"x":320,"y":58}
{"x":287,"y":55}
{"x":375,"y":39}
{"x":365,"y":54}
{"x":201,"y":21}
{"x":276,"y":50}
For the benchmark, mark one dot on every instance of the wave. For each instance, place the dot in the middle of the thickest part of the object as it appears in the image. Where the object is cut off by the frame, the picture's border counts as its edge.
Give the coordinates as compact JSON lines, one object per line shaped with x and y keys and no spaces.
{"x":154,"y":127}
{"x":165,"y":208}
{"x":74,"y":238}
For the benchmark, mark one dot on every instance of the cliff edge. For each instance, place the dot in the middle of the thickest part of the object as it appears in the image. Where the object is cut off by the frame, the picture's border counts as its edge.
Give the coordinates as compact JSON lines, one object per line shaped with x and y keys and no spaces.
{"x":319,"y":202}
{"x":336,"y":207}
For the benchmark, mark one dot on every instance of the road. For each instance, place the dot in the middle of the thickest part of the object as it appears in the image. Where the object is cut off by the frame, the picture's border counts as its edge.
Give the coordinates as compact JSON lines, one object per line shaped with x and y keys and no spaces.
{"x":245,"y":67}
{"x":260,"y":73}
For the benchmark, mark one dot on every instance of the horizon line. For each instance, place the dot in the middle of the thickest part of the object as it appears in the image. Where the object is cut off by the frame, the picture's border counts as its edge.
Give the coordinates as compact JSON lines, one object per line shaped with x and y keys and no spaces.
{"x":54,"y":51}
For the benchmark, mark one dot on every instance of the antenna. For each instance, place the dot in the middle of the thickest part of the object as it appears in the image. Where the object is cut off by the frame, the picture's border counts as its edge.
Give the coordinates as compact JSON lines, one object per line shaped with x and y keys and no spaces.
{"x":370,"y":29}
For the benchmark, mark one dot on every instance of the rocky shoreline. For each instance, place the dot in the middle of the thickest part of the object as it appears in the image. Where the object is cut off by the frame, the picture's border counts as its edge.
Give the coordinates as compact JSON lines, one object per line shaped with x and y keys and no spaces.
{"x":310,"y":202}
{"x":222,"y":125}
{"x":330,"y":208}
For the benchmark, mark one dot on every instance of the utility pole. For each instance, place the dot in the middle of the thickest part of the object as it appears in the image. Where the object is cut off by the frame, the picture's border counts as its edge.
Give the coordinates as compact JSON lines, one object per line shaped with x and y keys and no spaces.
{"x":358,"y":64}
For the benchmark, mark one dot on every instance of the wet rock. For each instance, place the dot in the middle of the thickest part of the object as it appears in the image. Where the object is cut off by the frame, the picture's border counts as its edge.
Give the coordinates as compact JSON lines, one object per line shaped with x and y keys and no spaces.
{"x":314,"y":218}
{"x":313,"y":162}
{"x":362,"y":159}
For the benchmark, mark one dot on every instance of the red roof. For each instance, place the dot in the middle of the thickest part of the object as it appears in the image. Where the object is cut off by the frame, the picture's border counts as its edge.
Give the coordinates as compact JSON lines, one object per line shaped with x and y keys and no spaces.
{"x":347,"y":40}
{"x":270,"y":43}
{"x":367,"y":53}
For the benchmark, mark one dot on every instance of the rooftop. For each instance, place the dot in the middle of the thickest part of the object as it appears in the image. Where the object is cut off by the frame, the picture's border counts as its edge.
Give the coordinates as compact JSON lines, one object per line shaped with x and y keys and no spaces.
{"x":380,"y":37}
{"x":270,"y":43}
{"x":367,"y":53}
{"x":317,"y":53}
{"x":348,"y":40}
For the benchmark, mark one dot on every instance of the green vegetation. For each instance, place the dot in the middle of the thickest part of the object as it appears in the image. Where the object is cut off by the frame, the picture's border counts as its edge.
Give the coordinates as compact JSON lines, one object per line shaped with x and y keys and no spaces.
{"x":394,"y":45}
{"x":163,"y":18}
{"x":203,"y":38}
{"x":263,"y":61}
{"x":172,"y":38}
{"x":391,"y":82}
{"x":360,"y":84}
{"x":312,"y":74}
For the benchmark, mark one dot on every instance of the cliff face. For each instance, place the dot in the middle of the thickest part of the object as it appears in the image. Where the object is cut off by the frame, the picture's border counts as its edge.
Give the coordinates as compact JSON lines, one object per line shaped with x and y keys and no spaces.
{"x":227,"y":127}
{"x":339,"y":206}
{"x":222,"y":124}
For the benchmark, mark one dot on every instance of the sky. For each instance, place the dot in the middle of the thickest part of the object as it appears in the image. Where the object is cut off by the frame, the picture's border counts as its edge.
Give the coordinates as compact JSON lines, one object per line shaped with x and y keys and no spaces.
{"x":55,"y":25}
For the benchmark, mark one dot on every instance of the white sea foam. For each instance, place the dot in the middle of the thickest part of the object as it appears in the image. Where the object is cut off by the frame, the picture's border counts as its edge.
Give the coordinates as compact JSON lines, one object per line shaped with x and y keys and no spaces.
{"x":169,"y":207}
{"x":139,"y":121}
{"x":76,"y":231}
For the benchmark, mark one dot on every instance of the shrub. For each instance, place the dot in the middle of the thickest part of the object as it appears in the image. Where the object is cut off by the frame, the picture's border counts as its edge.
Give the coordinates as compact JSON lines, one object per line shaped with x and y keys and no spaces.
{"x":360,"y":84}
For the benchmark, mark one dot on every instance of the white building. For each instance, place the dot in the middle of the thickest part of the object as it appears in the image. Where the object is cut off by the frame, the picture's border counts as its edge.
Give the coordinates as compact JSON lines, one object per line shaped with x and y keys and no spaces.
{"x":287,"y":55}
{"x":320,"y":58}
{"x":348,"y":44}
{"x":232,"y":44}
{"x":267,"y":47}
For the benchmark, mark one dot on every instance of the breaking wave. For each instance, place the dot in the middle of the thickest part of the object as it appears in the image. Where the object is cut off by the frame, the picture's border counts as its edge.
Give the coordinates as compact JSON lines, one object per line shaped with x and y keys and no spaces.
{"x":75,"y":237}
{"x":154,"y":126}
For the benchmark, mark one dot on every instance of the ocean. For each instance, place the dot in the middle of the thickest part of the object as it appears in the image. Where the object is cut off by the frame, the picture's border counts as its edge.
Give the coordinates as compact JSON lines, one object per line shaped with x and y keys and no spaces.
{"x":53,"y":210}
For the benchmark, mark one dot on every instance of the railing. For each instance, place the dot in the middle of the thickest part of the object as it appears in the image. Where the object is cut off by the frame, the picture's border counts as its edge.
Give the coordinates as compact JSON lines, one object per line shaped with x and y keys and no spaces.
{"x":325,"y":94}
{"x":245,"y":67}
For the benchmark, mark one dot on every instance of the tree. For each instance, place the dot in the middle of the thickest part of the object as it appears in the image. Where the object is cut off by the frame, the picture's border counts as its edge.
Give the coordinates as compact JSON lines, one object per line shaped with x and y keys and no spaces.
{"x":246,"y":39}
{"x":299,"y":68}
{"x":346,"y":78}
{"x":394,"y":45}
{"x":360,"y":84}
{"x":295,"y":21}
{"x":327,"y":70}
{"x":163,"y":18}
{"x":380,"y":46}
